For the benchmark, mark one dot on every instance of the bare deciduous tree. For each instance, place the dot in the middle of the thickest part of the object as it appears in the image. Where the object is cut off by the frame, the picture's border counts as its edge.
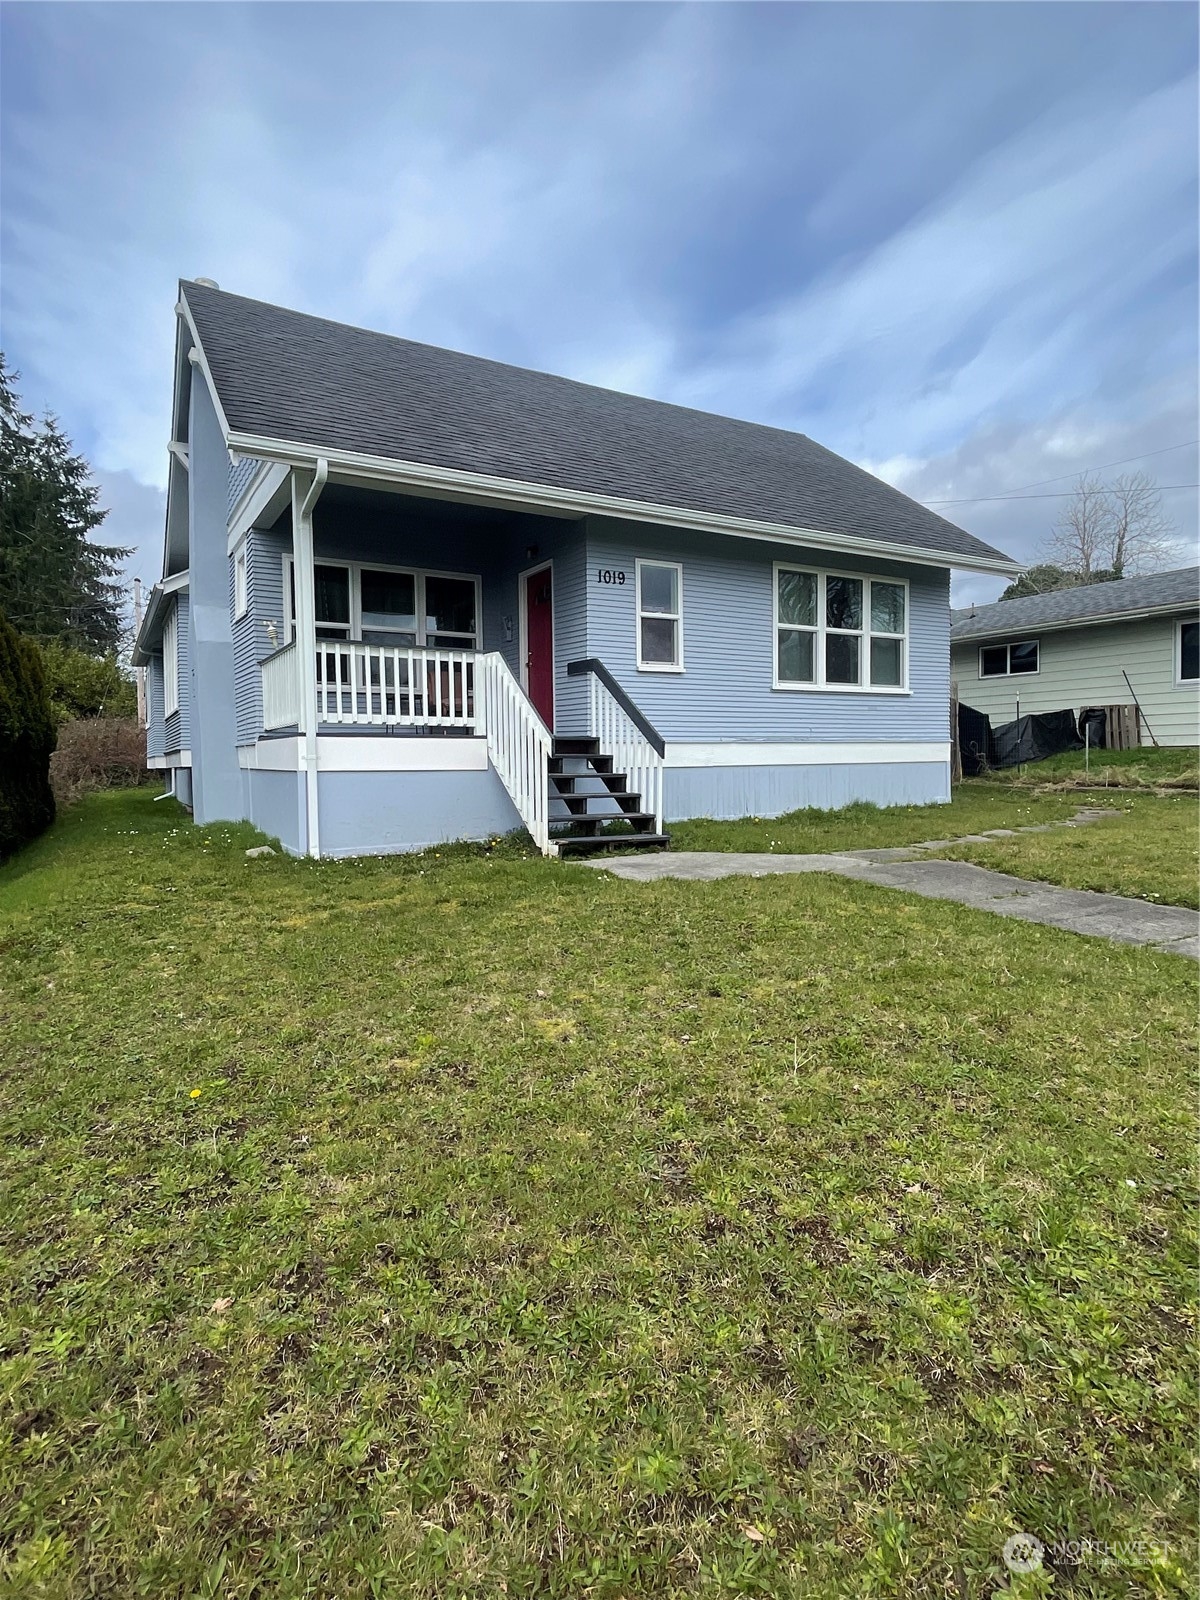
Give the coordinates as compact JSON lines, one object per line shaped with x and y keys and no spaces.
{"x":1107,"y":530}
{"x":1141,"y":530}
{"x":1080,"y":538}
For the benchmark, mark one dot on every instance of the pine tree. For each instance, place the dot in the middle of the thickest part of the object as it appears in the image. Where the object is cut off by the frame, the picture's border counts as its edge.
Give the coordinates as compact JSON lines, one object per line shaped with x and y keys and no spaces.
{"x":55,"y":582}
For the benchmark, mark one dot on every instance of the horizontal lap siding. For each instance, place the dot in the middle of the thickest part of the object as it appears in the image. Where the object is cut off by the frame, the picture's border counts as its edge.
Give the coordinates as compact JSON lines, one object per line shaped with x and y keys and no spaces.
{"x":251,"y":641}
{"x":178,"y":725}
{"x":725,"y":692}
{"x":1081,"y":667}
{"x":726,"y":792}
{"x":156,"y":733}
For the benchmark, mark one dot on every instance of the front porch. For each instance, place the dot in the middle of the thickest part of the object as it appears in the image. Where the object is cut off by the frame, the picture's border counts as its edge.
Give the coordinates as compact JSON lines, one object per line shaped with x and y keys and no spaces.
{"x":410,"y":687}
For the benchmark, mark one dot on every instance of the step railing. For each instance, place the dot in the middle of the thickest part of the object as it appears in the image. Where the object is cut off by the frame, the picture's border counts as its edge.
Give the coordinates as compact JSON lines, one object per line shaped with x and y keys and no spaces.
{"x":518,"y":743}
{"x":625,"y":734}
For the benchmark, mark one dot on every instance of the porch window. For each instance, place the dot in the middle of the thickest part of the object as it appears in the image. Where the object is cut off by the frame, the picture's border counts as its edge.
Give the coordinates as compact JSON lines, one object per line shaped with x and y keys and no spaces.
{"x":389,"y":606}
{"x":836,"y":630}
{"x":450,"y":613}
{"x":1005,"y":660}
{"x":660,"y":616}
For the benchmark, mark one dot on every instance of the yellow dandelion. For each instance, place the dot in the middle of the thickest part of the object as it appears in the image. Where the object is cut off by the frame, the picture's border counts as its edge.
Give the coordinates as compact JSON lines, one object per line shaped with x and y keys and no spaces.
{"x":195,"y":1095}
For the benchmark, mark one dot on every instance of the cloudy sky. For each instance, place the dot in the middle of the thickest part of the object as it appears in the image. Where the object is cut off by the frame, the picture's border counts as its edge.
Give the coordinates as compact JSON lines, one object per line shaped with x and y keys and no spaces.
{"x":955,"y":242}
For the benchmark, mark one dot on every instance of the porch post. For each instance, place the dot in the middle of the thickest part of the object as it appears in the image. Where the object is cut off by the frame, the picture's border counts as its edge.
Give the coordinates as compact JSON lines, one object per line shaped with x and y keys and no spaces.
{"x":305,"y":493}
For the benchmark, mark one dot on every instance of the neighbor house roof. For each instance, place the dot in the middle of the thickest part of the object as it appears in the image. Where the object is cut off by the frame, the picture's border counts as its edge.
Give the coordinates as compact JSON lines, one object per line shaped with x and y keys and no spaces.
{"x":1094,"y":603}
{"x":322,"y":386}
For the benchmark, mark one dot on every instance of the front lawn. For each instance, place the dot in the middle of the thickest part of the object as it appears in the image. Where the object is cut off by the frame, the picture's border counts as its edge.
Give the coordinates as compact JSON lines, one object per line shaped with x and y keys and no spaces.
{"x":1151,"y":851}
{"x":976,"y":805}
{"x":480,"y":1225}
{"x":1176,"y":766}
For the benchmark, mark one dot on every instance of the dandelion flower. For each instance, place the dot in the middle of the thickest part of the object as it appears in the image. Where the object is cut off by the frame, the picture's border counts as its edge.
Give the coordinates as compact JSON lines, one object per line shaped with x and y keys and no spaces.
{"x":195,"y":1094}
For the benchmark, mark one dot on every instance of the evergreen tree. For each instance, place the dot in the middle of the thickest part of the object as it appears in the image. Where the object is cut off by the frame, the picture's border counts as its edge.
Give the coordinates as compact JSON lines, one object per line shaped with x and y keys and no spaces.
{"x":55,"y":582}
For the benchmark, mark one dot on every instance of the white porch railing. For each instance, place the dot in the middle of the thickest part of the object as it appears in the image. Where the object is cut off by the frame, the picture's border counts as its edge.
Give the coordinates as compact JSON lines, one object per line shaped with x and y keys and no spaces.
{"x":519,"y":745}
{"x":626,"y":740}
{"x":375,"y":684}
{"x":281,"y":689}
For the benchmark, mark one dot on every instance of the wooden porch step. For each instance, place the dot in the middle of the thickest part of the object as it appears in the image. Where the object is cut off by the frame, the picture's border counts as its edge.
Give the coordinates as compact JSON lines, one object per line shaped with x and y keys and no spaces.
{"x":614,"y":782}
{"x":597,"y":764}
{"x":588,"y":823}
{"x":586,"y":845}
{"x":577,"y":804}
{"x":575,"y":747}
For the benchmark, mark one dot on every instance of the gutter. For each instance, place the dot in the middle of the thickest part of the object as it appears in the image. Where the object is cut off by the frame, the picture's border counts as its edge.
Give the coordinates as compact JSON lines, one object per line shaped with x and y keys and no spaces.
{"x":151,"y":628}
{"x":547,"y":499}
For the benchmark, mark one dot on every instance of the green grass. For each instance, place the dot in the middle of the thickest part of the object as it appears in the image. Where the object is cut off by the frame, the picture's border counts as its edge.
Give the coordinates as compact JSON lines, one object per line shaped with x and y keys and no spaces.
{"x":536,"y":1233}
{"x":1150,"y":852}
{"x":976,"y":805}
{"x":1130,"y":769}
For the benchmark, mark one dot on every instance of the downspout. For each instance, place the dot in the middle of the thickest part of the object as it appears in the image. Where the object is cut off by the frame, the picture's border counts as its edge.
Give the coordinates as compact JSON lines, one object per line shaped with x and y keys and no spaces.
{"x":306,"y":638}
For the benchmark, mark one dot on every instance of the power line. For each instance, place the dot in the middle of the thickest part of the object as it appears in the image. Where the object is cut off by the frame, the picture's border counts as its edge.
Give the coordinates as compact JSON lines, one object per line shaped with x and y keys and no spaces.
{"x":1103,"y":467}
{"x":1061,"y":494}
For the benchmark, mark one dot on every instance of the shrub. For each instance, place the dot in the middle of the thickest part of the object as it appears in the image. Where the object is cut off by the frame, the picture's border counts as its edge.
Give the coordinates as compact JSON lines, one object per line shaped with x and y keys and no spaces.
{"x":81,"y":685}
{"x":97,"y":753}
{"x":26,"y":742}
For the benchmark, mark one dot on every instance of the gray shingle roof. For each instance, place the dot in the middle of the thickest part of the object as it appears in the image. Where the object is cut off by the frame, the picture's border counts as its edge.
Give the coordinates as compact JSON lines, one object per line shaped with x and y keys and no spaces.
{"x":1157,"y":591}
{"x":290,"y":377}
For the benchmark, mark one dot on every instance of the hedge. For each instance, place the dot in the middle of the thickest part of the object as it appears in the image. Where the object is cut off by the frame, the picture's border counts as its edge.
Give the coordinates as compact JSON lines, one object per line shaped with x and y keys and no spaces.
{"x":27,"y":737}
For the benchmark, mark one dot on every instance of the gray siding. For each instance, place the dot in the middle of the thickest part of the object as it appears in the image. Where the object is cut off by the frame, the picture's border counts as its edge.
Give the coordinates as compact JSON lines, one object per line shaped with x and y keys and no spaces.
{"x":156,"y":736}
{"x":1081,"y":667}
{"x":240,"y":473}
{"x":726,"y":792}
{"x":178,"y":727}
{"x":251,"y":642}
{"x":725,"y":691}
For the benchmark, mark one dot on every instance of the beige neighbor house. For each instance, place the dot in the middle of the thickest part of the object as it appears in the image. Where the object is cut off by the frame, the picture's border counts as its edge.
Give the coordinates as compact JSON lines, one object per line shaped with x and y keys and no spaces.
{"x":1073,"y":648}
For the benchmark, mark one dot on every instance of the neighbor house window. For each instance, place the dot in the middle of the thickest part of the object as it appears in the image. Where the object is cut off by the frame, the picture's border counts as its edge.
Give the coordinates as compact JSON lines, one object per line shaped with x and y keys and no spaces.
{"x":390,"y":605}
{"x":839,"y":631}
{"x":1189,"y":652}
{"x":1005,"y":660}
{"x":241,"y":595}
{"x":170,"y":650}
{"x":660,"y":616}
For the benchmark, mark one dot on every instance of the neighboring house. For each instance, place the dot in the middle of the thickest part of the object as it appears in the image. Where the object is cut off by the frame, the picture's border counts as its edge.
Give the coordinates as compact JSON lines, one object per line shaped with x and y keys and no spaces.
{"x":1074,"y":648}
{"x":412,"y":596}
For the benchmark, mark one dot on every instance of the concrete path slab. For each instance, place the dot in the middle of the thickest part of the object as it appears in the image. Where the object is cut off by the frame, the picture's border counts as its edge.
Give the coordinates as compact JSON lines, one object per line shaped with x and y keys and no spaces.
{"x":1099,"y":916}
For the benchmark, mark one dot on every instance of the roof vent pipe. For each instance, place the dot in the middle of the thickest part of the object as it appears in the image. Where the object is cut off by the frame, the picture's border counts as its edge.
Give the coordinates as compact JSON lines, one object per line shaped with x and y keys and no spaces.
{"x":209,"y":283}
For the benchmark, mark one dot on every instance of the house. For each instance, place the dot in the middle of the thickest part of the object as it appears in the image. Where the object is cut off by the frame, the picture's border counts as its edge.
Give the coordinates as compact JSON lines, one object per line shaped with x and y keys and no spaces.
{"x":1136,"y":640}
{"x":410,"y":596}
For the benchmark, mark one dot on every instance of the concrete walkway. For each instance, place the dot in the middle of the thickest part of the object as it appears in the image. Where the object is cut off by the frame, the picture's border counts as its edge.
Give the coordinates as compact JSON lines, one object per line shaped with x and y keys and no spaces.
{"x":1100,"y":916}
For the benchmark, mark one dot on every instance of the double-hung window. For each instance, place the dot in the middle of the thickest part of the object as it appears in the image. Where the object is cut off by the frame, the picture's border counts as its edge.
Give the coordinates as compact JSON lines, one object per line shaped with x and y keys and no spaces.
{"x":837,"y":630}
{"x":241,"y":588}
{"x":170,"y":651}
{"x":1008,"y":660}
{"x":660,"y":616}
{"x":1189,"y":651}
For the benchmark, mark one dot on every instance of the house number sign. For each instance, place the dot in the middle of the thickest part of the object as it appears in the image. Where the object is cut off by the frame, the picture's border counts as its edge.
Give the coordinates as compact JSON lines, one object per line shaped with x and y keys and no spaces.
{"x":609,"y":575}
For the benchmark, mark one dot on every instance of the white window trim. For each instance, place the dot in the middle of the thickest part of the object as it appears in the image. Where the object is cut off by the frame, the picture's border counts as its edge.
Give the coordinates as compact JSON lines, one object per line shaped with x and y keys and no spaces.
{"x":821,"y":631}
{"x":418,"y":575}
{"x":1008,"y":646}
{"x":241,"y":582}
{"x":1180,"y":681}
{"x":676,"y":617}
{"x":170,"y":651}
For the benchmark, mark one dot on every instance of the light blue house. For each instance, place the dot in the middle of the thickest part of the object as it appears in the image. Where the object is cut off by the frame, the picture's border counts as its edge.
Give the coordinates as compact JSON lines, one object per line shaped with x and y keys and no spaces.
{"x":411,"y":596}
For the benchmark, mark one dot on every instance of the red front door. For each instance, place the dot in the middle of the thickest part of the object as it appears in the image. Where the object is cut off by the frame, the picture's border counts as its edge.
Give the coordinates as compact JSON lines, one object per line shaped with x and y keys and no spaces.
{"x":539,"y":644}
